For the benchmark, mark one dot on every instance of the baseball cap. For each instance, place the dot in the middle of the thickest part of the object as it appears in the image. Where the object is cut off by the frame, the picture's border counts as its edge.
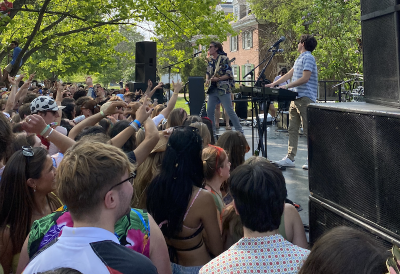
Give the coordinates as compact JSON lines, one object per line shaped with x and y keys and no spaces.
{"x":44,"y":103}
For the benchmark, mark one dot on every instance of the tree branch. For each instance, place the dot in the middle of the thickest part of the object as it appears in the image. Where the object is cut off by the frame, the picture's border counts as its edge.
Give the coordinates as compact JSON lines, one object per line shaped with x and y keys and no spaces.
{"x":16,"y":65}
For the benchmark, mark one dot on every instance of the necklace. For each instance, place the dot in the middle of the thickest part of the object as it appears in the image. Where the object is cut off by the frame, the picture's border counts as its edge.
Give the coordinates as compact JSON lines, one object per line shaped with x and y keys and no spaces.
{"x":215,"y":191}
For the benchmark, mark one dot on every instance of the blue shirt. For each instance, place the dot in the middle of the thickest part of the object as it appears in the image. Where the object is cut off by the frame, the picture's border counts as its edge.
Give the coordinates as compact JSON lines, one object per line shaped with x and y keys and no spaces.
{"x":16,"y":52}
{"x":306,"y":62}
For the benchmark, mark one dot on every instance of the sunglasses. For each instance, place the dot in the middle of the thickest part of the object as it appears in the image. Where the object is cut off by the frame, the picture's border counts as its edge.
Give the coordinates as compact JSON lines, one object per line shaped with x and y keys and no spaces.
{"x":130,"y":179}
{"x":393,"y":261}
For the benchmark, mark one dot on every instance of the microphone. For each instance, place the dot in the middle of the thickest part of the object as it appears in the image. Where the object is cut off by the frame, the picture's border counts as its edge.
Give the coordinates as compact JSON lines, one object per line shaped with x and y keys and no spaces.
{"x":278,"y":42}
{"x":197,"y":53}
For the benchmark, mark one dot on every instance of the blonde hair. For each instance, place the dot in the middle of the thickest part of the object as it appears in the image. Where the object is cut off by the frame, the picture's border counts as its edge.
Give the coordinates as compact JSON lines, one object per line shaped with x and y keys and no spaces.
{"x":213,"y":158}
{"x":204,"y":132}
{"x":157,"y":110}
{"x":86,"y":172}
{"x":144,"y":175}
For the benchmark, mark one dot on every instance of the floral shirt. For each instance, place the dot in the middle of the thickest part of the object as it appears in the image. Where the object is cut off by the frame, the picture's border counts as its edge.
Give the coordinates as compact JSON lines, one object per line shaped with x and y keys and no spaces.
{"x":225,"y":68}
{"x":269,"y":254}
{"x":132,"y":232}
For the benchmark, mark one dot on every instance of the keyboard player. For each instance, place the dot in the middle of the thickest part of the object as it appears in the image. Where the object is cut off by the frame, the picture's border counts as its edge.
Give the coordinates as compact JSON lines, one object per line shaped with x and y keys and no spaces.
{"x":304,"y":76}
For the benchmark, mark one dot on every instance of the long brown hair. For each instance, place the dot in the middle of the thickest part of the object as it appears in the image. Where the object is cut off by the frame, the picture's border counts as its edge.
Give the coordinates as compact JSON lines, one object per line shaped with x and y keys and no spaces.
{"x":6,"y":138}
{"x":235,"y":145}
{"x":175,"y":118}
{"x":17,"y":198}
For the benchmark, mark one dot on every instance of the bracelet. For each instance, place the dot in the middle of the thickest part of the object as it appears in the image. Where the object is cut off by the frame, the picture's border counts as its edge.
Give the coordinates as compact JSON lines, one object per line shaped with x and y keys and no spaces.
{"x":134,"y":126}
{"x":286,"y":86}
{"x":138,"y":123}
{"x":48,"y":135}
{"x":102,"y":113}
{"x":44,"y":130}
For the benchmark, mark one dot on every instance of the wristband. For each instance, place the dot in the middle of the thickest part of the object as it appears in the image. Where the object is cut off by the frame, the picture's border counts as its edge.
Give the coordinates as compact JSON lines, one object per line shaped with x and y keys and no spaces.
{"x":134,"y":126}
{"x":138,"y":123}
{"x":48,"y":135}
{"x":44,"y":130}
{"x":102,"y":113}
{"x":286,"y":86}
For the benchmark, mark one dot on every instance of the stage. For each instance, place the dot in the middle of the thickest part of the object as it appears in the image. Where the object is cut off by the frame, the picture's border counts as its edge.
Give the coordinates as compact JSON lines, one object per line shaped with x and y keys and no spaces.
{"x":296,"y":178}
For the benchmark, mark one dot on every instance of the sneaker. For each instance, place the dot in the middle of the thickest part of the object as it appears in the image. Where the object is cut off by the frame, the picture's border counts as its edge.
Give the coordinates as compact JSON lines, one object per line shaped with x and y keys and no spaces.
{"x":285,"y":162}
{"x":305,"y":166}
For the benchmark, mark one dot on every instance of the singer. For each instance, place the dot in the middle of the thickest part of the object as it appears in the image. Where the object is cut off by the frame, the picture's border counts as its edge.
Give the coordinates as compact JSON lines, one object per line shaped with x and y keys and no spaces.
{"x":219,"y":80}
{"x":304,"y":76}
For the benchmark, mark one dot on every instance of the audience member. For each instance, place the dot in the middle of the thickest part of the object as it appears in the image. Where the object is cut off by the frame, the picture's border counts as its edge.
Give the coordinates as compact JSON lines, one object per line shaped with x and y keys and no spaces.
{"x":25,"y":196}
{"x":181,"y":207}
{"x":216,"y":167}
{"x":101,"y":175}
{"x":347,"y":251}
{"x":291,"y":227}
{"x":204,"y":132}
{"x":259,"y":194}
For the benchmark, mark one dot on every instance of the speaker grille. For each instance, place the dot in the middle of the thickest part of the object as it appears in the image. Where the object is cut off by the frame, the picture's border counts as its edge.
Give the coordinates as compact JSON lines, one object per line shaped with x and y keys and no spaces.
{"x":381,"y":75}
{"x":368,"y":6}
{"x":323,"y":220}
{"x":354,"y":162}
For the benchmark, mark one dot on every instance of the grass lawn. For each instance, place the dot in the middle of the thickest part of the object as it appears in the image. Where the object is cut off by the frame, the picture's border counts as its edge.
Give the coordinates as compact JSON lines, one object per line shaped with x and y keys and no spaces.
{"x":181,"y":103}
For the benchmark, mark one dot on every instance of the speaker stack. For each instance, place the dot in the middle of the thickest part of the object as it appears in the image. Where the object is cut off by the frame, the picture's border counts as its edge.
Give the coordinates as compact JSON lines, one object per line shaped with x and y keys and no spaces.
{"x":354,"y":166}
{"x":146,"y":68}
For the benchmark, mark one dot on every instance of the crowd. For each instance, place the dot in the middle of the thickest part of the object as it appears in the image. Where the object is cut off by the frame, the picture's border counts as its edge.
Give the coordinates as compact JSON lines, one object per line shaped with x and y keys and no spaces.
{"x":95,"y":182}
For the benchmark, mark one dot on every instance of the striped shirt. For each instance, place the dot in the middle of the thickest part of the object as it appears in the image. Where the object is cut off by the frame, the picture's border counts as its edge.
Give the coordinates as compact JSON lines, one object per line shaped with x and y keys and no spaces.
{"x":306,"y":62}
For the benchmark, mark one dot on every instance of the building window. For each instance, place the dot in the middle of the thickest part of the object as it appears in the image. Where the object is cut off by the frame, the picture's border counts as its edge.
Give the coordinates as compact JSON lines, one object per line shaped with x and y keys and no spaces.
{"x":247,"y":68}
{"x":247,"y":39}
{"x":233,"y":43}
{"x":236,"y":72}
{"x":236,"y":12}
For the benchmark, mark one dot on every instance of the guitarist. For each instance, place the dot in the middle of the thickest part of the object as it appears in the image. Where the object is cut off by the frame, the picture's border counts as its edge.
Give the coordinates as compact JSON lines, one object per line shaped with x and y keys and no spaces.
{"x":219,"y":80}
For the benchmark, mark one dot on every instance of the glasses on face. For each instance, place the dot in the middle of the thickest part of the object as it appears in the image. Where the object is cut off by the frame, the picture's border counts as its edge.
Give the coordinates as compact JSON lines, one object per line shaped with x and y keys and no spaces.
{"x":27,"y":151}
{"x":130,"y":179}
{"x":210,"y":47}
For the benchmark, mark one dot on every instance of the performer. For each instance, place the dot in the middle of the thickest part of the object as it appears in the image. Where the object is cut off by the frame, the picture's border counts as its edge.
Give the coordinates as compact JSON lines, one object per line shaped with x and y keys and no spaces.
{"x":304,"y":76}
{"x":219,"y":79}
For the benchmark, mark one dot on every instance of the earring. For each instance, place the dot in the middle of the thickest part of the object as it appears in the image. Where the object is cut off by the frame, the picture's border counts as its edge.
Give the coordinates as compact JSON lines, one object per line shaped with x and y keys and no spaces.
{"x":34,"y":188}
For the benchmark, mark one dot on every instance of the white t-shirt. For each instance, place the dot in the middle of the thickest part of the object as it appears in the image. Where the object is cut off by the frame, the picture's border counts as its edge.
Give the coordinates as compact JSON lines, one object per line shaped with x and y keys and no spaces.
{"x":157,"y":120}
{"x":89,"y":250}
{"x":52,"y":147}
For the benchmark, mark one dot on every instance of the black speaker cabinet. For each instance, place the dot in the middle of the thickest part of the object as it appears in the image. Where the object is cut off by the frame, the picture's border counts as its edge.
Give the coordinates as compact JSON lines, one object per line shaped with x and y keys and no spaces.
{"x":196,"y":95}
{"x":381,"y":51}
{"x":324,"y":216}
{"x":354,"y":162}
{"x":146,"y":61}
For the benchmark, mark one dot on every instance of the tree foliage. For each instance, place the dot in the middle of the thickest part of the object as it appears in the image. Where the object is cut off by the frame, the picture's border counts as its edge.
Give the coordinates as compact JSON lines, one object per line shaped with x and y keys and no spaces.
{"x":335,"y":23}
{"x":83,"y":36}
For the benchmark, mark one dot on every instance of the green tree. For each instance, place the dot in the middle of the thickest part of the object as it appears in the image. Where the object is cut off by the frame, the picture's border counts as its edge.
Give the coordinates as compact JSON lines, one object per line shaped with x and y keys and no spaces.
{"x":57,"y":26}
{"x":335,"y":23}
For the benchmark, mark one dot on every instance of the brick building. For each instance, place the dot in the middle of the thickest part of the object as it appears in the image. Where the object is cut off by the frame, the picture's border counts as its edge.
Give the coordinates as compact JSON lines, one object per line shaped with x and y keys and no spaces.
{"x":250,"y":46}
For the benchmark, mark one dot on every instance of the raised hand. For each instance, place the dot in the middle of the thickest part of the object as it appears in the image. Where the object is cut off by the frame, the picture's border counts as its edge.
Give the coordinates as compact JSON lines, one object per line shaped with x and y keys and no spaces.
{"x":115,"y":107}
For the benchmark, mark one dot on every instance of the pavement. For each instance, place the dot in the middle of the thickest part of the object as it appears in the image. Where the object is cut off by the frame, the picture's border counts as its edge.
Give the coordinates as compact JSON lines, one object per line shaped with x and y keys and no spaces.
{"x":296,"y":177}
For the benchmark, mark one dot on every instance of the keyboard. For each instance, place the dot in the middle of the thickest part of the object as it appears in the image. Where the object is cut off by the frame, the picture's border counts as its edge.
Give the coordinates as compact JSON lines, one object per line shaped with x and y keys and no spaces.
{"x":273,"y":94}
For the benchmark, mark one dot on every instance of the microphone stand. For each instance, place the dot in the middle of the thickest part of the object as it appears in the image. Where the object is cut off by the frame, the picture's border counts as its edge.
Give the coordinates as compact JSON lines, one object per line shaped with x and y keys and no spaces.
{"x":172,"y":65}
{"x":260,"y":82}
